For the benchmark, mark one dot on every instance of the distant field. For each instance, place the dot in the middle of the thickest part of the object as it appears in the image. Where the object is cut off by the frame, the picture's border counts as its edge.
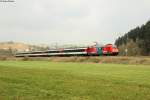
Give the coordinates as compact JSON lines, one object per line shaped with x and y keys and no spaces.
{"x":43,"y":80}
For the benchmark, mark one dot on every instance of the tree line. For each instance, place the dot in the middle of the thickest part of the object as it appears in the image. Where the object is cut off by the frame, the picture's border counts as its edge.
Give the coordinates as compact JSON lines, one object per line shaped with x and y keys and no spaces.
{"x":136,"y":41}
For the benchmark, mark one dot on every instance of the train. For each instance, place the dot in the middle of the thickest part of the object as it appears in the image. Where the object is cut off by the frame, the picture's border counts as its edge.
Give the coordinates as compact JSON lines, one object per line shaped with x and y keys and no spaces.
{"x":106,"y":50}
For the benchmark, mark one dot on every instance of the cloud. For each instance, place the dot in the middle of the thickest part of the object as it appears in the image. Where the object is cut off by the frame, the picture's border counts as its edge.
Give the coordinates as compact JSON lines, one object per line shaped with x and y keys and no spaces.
{"x":70,"y":20}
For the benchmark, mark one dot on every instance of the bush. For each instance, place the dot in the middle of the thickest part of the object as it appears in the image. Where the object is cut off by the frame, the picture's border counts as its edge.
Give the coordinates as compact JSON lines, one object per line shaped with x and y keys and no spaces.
{"x":3,"y":58}
{"x":25,"y":59}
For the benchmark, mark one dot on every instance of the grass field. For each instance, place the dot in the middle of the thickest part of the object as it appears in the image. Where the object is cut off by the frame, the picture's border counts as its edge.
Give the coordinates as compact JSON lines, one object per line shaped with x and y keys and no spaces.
{"x":43,"y":80}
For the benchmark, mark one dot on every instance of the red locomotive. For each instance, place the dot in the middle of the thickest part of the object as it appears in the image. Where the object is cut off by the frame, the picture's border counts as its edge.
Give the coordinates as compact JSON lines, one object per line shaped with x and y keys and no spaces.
{"x":109,"y":49}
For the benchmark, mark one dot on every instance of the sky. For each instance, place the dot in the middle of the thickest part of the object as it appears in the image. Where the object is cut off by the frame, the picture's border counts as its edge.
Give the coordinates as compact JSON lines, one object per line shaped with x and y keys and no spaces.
{"x":70,"y":21}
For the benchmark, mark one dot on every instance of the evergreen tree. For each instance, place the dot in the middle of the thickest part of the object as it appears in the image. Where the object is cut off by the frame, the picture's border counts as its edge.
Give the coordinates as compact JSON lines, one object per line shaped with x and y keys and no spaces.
{"x":140,"y":37}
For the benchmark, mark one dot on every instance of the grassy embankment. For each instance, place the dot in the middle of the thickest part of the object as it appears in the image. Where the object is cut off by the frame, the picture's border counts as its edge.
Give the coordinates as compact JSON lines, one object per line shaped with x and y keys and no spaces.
{"x":42,"y":80}
{"x":101,"y":59}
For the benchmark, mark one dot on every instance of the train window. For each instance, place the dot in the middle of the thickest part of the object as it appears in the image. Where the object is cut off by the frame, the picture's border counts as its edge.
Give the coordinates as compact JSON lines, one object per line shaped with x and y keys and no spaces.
{"x":75,"y":50}
{"x":51,"y":52}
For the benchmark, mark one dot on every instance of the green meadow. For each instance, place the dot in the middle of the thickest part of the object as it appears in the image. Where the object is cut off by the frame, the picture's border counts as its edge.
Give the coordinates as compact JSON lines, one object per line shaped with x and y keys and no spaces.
{"x":44,"y":80}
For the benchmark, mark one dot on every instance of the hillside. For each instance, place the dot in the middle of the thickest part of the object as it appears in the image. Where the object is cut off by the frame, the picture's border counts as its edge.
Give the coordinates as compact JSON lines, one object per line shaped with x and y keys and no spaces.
{"x":136,"y":41}
{"x":8,"y":48}
{"x":14,"y":46}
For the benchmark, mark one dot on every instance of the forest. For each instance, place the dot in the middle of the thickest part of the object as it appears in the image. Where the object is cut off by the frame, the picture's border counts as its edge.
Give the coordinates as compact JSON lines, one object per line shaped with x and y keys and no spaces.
{"x":136,"y":42}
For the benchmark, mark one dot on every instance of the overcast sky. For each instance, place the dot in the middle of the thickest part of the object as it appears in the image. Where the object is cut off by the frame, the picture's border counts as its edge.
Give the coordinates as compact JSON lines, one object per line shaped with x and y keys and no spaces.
{"x":70,"y":21}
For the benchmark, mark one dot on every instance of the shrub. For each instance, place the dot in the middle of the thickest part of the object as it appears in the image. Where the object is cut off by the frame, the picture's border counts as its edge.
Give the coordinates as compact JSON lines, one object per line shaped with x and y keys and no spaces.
{"x":25,"y":59}
{"x":3,"y":58}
